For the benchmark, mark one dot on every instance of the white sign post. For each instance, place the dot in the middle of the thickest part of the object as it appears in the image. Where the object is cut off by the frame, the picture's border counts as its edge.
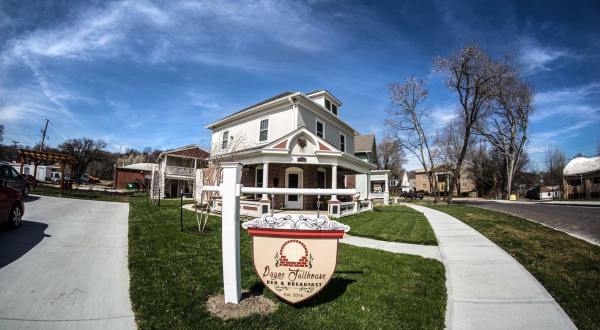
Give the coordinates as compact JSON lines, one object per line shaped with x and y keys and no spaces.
{"x":230,"y":190}
{"x":230,"y":232}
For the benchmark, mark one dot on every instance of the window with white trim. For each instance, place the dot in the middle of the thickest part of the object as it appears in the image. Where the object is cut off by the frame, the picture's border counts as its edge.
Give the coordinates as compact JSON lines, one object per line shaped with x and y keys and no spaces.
{"x":320,"y":129}
{"x":225,"y":140}
{"x":263,"y":132}
{"x":342,"y":142}
{"x":334,"y":109}
{"x":327,"y":104}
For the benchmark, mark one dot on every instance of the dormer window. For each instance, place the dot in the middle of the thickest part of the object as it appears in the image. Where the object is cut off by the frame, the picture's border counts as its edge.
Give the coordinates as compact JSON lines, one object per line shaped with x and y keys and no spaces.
{"x":225,"y":140}
{"x":334,"y":109}
{"x":327,"y":104}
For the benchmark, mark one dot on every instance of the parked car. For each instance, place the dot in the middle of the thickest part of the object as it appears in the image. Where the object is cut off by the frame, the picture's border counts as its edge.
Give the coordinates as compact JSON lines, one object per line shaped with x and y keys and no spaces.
{"x":14,"y":179}
{"x":88,"y":179}
{"x":11,"y":205}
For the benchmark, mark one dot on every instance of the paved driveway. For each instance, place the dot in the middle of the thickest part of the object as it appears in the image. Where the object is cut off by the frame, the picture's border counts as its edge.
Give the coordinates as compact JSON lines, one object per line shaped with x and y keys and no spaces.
{"x":66,"y":267}
{"x":579,"y":221}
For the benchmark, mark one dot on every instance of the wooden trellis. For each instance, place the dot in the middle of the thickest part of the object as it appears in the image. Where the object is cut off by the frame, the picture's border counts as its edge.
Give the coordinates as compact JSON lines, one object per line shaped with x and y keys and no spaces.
{"x":38,"y":156}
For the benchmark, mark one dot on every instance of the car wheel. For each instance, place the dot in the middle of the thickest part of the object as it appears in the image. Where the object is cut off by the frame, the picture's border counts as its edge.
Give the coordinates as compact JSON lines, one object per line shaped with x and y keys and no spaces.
{"x":25,"y":192}
{"x":16,"y":214}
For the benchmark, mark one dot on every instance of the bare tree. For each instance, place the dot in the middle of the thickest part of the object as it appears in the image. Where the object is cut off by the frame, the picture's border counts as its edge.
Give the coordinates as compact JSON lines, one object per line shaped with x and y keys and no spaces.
{"x":555,"y":164}
{"x":448,"y":144}
{"x":405,"y":124}
{"x":212,"y":176}
{"x":505,"y":125}
{"x":391,"y":156}
{"x":84,"y":151}
{"x":473,"y":75}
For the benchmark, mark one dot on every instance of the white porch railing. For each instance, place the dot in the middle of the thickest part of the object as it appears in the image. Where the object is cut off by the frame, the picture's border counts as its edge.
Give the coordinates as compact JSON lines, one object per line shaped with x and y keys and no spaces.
{"x":348,"y":208}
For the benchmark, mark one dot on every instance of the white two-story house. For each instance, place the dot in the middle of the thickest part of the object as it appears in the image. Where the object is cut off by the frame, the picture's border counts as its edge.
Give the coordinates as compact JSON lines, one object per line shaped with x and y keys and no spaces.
{"x":292,"y":140}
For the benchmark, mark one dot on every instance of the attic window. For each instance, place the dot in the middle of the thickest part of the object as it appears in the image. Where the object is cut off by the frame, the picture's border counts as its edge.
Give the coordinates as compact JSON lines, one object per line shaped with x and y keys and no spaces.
{"x":327,"y":104}
{"x":334,"y":109}
{"x":225,"y":140}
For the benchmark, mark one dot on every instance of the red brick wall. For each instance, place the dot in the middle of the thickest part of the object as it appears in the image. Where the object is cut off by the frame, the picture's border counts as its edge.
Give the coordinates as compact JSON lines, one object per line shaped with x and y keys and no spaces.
{"x":124,"y":176}
{"x":277,"y":173}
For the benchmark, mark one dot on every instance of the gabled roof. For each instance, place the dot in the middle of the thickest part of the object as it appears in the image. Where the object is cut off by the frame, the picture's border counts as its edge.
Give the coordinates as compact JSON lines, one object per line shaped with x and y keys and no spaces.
{"x":272,"y":98}
{"x":364,"y":143}
{"x":284,"y":142}
{"x":283,"y":97}
{"x":189,"y":151}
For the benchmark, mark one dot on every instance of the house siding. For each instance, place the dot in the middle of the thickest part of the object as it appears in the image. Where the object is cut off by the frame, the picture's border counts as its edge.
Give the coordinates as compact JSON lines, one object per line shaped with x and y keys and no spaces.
{"x":245,"y":131}
{"x":308,"y":119}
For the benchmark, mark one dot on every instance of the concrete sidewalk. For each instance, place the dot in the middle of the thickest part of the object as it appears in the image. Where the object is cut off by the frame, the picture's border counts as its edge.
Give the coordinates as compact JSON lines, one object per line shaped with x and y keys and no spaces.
{"x":487,"y":288}
{"x":66,"y":267}
{"x":425,"y":251}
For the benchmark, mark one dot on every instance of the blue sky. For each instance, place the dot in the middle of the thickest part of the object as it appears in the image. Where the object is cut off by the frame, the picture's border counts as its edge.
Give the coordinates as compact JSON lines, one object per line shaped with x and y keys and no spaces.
{"x":142,"y":73}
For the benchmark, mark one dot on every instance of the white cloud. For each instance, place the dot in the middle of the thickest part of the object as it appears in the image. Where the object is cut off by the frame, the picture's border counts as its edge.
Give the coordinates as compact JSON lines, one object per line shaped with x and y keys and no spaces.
{"x":535,"y":57}
{"x":442,"y":115}
{"x":577,"y":104}
{"x":233,"y":34}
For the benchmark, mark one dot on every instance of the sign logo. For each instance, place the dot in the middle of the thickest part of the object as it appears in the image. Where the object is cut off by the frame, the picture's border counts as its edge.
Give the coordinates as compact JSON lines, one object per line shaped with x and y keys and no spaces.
{"x":295,"y":257}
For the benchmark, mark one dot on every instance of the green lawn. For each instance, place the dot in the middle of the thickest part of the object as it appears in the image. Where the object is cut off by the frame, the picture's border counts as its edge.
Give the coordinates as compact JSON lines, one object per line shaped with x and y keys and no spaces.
{"x":85,"y":194}
{"x":392,"y":223}
{"x":569,"y":268}
{"x":173,"y":273}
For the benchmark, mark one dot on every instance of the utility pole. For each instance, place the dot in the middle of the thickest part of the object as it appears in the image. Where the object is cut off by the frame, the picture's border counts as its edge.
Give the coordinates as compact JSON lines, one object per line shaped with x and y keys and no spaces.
{"x":16,"y":153}
{"x":35,"y":164}
{"x":44,"y":135}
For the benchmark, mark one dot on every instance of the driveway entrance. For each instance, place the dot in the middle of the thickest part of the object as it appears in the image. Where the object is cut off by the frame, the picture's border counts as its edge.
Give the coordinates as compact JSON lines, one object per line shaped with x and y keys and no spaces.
{"x":66,"y":267}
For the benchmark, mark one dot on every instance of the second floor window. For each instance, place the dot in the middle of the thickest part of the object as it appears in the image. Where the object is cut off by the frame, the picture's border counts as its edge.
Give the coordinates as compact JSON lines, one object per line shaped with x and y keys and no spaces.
{"x":342,"y":143}
{"x":225,"y":140}
{"x":263,"y":133}
{"x":320,"y":129}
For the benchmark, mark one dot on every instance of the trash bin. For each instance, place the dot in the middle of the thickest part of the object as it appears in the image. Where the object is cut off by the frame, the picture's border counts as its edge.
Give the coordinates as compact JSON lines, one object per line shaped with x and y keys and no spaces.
{"x":295,"y":255}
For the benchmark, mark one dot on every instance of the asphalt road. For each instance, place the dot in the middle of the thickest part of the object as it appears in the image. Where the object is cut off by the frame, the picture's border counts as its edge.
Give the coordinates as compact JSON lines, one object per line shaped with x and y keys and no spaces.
{"x":66,"y":267}
{"x":579,"y":221}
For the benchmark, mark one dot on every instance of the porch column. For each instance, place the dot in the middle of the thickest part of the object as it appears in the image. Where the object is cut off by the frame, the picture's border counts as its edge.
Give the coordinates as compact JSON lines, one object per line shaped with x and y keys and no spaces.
{"x":265,"y":180}
{"x":334,"y":181}
{"x":369,"y":185}
{"x":386,"y":192}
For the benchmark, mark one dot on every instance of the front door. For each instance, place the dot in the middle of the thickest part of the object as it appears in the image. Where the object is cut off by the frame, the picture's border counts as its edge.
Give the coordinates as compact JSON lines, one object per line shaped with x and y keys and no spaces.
{"x":293,"y":179}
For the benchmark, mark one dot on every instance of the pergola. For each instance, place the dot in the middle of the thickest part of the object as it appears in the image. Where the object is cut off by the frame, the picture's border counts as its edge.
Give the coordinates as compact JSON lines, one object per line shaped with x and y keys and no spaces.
{"x":38,"y":156}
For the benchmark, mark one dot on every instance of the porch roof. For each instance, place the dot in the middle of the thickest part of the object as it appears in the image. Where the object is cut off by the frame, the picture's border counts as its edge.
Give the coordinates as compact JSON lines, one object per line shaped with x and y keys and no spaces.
{"x":300,"y":146}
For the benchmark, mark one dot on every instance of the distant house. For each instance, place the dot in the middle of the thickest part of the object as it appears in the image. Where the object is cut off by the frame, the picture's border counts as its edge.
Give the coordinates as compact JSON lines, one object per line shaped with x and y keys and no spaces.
{"x":175,"y":171}
{"x":139,"y":173}
{"x":544,"y":192}
{"x":581,"y":178}
{"x":443,"y":175}
{"x":365,"y":148}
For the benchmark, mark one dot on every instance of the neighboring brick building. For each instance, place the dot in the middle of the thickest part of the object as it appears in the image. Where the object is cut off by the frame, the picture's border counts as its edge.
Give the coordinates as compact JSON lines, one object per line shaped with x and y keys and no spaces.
{"x":140,"y":173}
{"x":467,"y":184}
